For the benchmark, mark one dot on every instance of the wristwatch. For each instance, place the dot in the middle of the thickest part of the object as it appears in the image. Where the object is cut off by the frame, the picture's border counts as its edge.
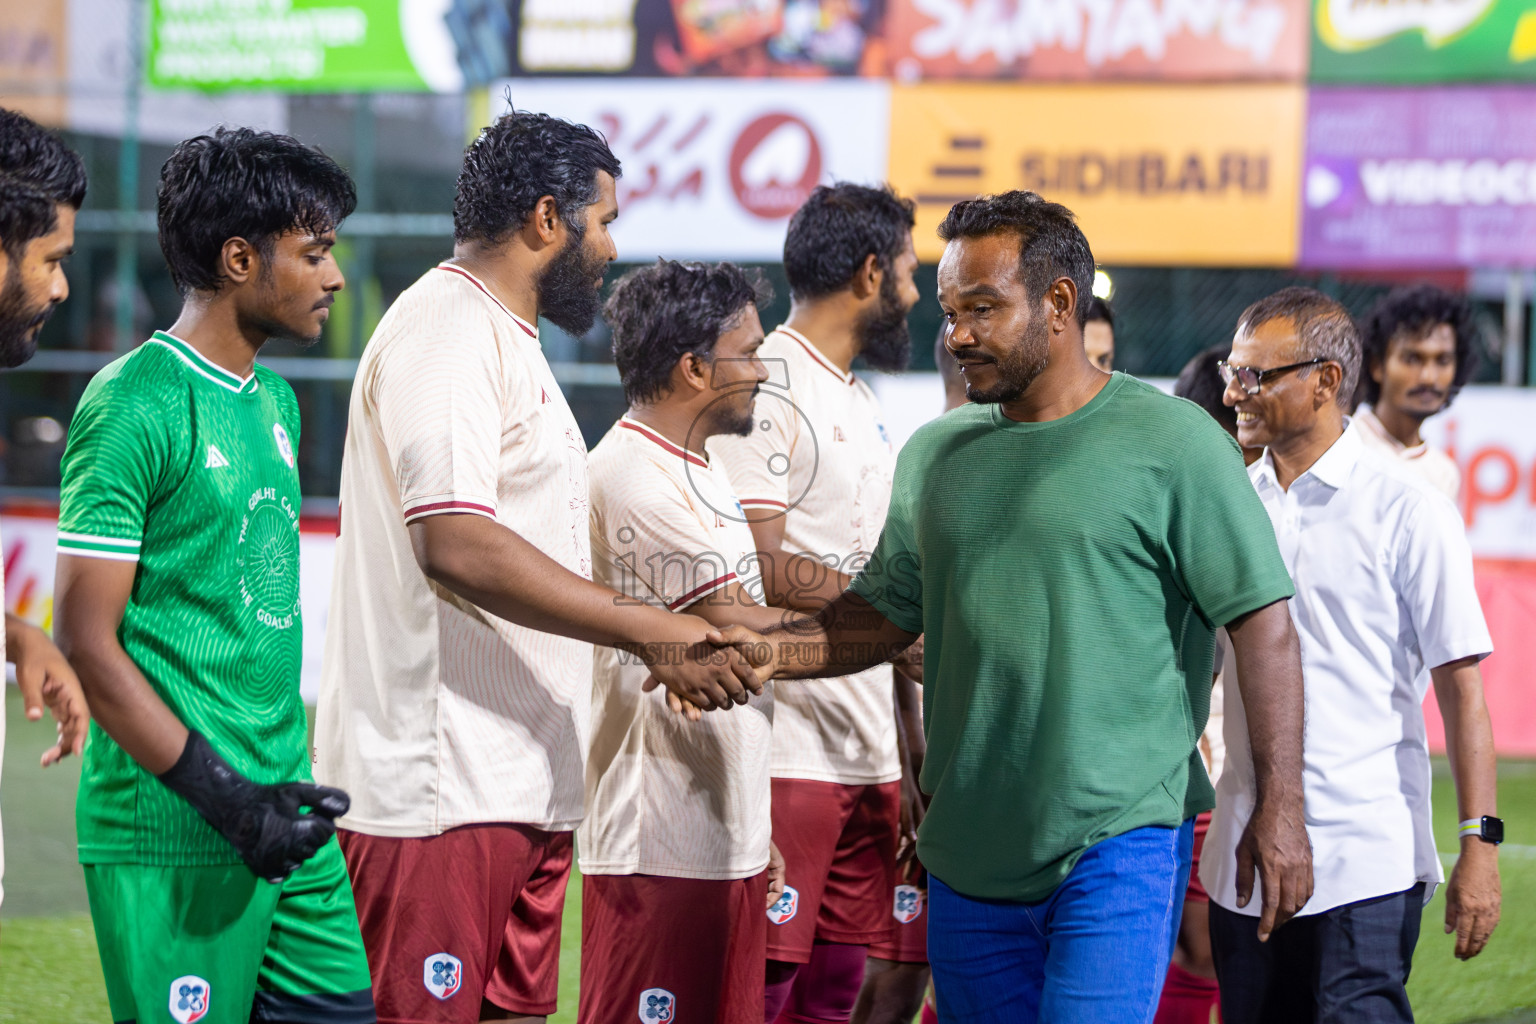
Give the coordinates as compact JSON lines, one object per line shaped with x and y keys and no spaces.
{"x":1487,"y":828}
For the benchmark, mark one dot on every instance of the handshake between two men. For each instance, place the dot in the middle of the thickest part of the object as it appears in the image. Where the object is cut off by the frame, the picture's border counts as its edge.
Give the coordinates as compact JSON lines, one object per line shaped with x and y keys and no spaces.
{"x":847,"y":636}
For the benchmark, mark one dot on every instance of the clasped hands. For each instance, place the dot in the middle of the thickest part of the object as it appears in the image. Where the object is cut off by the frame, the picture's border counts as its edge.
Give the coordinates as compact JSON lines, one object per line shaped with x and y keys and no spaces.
{"x":727,"y":667}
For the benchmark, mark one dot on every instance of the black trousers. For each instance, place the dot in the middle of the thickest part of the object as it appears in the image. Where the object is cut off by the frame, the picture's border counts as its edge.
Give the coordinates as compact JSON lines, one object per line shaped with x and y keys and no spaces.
{"x":1348,"y":965}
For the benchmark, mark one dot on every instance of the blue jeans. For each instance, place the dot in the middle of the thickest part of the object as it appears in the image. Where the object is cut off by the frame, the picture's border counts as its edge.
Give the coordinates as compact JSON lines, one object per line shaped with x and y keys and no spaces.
{"x":1095,"y":950}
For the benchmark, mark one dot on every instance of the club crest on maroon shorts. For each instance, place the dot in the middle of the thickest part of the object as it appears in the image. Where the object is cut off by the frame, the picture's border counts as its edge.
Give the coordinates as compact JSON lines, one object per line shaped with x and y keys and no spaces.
{"x":657,"y":1006}
{"x":443,"y":974}
{"x":785,"y":906}
{"x":908,"y":906}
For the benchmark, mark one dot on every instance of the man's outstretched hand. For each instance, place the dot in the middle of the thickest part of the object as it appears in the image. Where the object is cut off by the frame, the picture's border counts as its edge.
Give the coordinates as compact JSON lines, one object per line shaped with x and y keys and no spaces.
{"x":1275,"y":844}
{"x":266,"y":824}
{"x":699,"y":672}
{"x":755,"y":649}
{"x":46,"y":680}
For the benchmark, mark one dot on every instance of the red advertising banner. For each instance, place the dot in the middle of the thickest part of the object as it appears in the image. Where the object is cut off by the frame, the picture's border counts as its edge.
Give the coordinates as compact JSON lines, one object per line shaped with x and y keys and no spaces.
{"x":1098,"y":39}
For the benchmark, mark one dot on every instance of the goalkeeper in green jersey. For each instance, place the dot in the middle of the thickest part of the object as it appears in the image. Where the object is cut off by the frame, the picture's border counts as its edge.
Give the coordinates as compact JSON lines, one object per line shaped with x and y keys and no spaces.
{"x":216,"y":888}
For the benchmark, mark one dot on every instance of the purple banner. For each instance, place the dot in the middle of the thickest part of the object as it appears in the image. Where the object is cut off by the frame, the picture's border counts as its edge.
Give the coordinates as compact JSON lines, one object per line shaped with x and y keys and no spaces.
{"x":1419,"y":178}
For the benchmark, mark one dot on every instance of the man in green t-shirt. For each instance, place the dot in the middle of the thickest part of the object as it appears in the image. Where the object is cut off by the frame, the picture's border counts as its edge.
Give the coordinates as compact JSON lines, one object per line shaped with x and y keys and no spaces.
{"x":1068,"y":542}
{"x":216,"y":891}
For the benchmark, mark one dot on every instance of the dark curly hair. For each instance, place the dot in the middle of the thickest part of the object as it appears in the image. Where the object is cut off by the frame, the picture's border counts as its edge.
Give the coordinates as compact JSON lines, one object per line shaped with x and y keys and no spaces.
{"x":516,"y":162}
{"x":1051,"y":245}
{"x":661,"y":312}
{"x":38,"y":174}
{"x":242,"y":183}
{"x":1200,"y":382}
{"x":837,"y":229}
{"x":1414,"y":312}
{"x":1099,"y":310}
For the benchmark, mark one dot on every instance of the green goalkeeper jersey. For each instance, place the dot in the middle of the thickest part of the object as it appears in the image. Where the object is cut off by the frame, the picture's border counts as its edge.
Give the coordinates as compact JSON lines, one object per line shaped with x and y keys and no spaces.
{"x":188,"y":470}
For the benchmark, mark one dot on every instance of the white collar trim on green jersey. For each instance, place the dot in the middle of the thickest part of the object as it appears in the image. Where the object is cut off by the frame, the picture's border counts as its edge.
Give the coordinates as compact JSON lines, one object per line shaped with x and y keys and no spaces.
{"x":200,"y":363}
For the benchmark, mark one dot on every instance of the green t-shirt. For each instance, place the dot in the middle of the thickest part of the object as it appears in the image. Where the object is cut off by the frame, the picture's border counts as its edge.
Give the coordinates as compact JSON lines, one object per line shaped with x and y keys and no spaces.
{"x":189,"y":470}
{"x":1069,"y":577}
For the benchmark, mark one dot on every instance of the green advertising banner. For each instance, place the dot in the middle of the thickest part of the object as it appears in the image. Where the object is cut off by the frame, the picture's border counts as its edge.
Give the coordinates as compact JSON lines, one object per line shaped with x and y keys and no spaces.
{"x":1423,"y":40}
{"x":303,"y":45}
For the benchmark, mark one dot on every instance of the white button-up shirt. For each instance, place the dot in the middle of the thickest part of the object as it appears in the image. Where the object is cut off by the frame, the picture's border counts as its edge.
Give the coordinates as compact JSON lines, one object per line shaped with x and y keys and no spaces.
{"x":1384,"y":592}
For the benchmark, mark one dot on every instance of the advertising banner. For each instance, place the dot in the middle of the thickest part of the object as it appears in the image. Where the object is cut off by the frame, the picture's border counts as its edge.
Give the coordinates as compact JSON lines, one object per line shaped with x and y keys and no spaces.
{"x":307,"y":45}
{"x":1418,"y":178}
{"x":1423,"y":40}
{"x":1489,"y":434}
{"x":34,"y":59}
{"x":665,"y":38}
{"x":714,"y":173}
{"x":1158,"y":175}
{"x":30,"y":536}
{"x":1086,"y":39}
{"x":99,"y":79}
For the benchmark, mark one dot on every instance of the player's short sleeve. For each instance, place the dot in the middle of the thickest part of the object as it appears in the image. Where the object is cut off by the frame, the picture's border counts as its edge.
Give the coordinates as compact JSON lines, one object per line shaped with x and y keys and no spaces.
{"x":439,"y":401}
{"x":667,"y":549}
{"x":756,"y":463}
{"x":892,"y":579}
{"x":1433,"y":576}
{"x":120,"y":453}
{"x":1220,"y":539}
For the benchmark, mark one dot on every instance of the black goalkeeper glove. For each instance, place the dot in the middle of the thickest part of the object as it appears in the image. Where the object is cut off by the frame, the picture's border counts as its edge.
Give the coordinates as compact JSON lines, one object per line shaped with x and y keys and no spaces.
{"x":263,"y":823}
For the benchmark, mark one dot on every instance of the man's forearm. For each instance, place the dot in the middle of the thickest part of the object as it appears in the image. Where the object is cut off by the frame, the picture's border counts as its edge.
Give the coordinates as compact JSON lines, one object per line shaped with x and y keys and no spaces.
{"x":800,"y":582}
{"x":845,"y":637}
{"x":1269,"y":678}
{"x":1468,"y":737}
{"x":126,"y":707}
{"x":90,"y":597}
{"x":497,"y":570}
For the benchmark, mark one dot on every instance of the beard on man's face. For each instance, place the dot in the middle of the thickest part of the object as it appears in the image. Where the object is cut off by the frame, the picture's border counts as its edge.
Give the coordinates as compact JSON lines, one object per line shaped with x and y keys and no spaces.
{"x":20,"y":322}
{"x":568,"y":295}
{"x":1017,"y":370}
{"x":739,"y":422}
{"x":885,"y":343}
{"x":273,"y":322}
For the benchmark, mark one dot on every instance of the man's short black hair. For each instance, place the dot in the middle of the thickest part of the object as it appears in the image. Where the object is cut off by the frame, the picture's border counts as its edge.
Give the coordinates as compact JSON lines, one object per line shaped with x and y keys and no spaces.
{"x":837,"y":229}
{"x":1051,"y":245}
{"x":1200,"y":382}
{"x":1414,"y":312}
{"x":38,"y":174}
{"x":519,"y":160}
{"x":660,"y":312}
{"x":1099,"y":311}
{"x":243,"y":183}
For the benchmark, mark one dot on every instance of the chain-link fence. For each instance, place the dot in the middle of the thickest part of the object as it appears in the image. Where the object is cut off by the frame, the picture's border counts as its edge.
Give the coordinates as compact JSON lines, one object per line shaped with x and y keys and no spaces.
{"x":1163,"y":316}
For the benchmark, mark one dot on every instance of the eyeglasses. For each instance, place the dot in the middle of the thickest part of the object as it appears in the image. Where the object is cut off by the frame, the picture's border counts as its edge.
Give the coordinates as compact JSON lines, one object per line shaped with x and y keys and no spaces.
{"x":1250,"y":377}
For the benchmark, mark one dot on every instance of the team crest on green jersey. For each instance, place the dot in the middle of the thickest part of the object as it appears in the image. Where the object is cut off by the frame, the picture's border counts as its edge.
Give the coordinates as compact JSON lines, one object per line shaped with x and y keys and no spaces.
{"x":269,"y":557}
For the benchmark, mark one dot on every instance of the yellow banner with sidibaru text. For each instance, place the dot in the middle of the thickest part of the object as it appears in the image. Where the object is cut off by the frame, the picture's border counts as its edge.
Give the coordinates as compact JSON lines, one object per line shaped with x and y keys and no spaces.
{"x":1159,"y":175}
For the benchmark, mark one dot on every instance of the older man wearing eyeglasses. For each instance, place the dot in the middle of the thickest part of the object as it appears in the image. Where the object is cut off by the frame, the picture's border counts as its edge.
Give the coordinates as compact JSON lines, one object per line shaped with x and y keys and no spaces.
{"x":1383,"y":579}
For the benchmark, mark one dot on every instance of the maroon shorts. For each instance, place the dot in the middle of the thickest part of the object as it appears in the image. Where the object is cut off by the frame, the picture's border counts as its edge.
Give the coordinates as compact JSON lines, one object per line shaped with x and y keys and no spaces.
{"x":907,"y":941}
{"x":659,"y":949}
{"x":452,"y":919}
{"x":839,"y":847}
{"x":1196,"y":892}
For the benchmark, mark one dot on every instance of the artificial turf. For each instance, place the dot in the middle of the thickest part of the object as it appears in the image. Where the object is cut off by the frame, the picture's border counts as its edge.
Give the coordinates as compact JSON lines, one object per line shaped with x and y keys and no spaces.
{"x":49,"y":973}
